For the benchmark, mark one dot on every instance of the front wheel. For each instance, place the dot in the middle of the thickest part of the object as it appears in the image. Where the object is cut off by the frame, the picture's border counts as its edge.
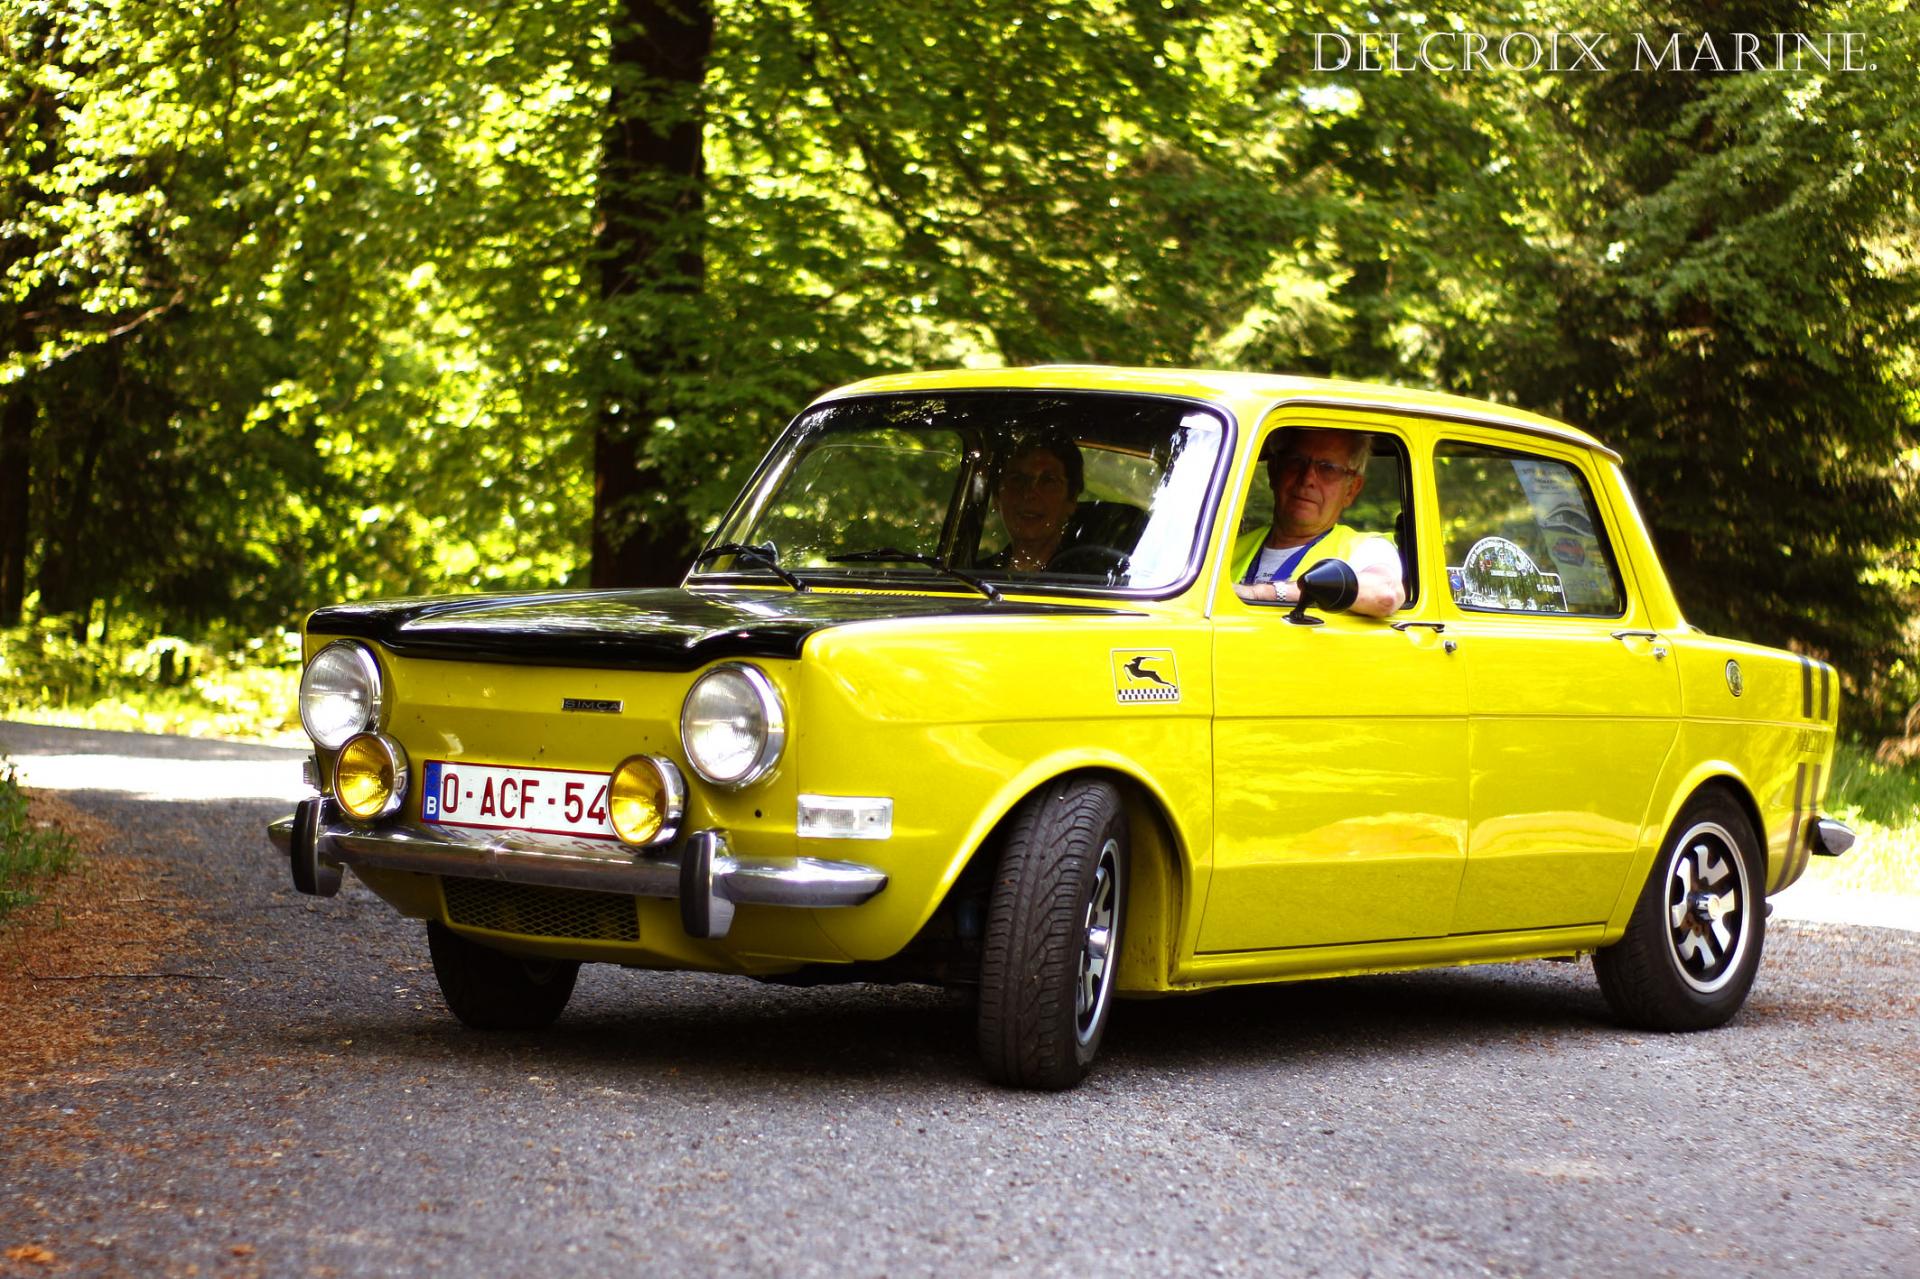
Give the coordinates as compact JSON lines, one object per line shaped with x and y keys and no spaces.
{"x":1693,"y":944}
{"x":489,"y":989}
{"x":1052,"y":943}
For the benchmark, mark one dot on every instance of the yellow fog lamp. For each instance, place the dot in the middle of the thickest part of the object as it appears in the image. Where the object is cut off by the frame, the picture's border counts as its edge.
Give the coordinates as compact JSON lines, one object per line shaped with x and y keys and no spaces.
{"x":370,"y":777}
{"x":646,"y":800}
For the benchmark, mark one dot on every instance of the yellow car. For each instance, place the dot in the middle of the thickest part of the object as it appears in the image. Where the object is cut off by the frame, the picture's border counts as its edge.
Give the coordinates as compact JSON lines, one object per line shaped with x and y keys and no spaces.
{"x":988,"y":679}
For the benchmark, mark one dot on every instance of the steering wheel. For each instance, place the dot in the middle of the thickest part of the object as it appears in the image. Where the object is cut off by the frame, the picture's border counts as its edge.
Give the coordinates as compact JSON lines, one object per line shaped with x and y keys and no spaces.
{"x":1091,"y":560}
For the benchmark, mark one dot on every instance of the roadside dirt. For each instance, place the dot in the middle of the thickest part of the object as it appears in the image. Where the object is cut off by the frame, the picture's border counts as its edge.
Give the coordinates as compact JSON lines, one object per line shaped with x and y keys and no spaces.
{"x":77,"y":966}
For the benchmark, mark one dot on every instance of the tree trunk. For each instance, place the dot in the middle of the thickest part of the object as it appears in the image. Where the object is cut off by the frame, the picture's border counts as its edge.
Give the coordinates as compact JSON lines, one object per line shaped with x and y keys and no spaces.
{"x":68,"y":579}
{"x":652,"y":271}
{"x":32,"y":126}
{"x":16,"y":443}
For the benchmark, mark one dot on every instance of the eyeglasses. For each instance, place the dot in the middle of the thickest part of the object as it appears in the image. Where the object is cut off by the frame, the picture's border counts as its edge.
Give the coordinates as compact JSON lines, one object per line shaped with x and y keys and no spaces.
{"x":1293,"y":465}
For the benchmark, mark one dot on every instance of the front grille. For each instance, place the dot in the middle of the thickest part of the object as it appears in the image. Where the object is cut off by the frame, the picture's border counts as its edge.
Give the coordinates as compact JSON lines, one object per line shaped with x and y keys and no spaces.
{"x":540,"y":912}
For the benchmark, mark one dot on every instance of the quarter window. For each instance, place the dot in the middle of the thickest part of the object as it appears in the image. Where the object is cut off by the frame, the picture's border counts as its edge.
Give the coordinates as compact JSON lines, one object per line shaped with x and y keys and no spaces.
{"x":1522,"y":534}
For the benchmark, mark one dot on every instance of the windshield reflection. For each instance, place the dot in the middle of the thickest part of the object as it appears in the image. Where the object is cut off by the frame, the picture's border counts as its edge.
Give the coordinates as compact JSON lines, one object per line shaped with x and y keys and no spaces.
{"x":1028,"y":490}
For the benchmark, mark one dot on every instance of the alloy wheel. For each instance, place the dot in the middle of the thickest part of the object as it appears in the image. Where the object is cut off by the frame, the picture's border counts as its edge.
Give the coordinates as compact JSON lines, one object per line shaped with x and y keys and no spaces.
{"x":1708,"y":900}
{"x":1094,"y":986}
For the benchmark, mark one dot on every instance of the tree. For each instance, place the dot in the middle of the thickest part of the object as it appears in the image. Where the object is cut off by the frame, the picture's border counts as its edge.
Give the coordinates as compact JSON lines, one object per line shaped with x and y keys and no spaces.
{"x":652,"y":269}
{"x":1714,"y":272}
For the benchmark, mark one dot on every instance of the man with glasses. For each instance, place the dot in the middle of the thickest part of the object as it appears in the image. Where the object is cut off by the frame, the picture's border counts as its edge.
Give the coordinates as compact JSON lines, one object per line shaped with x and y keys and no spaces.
{"x":1315,"y":476}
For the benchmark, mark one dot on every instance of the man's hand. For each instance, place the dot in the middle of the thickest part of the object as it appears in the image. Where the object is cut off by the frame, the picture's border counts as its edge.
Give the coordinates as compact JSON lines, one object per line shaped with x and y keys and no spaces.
{"x":1380,"y":592}
{"x":1266,"y":592}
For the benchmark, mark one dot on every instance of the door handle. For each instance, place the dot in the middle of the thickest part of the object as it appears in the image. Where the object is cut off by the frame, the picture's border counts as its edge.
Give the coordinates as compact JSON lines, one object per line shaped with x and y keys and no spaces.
{"x":1435,"y":627}
{"x":1652,"y":637}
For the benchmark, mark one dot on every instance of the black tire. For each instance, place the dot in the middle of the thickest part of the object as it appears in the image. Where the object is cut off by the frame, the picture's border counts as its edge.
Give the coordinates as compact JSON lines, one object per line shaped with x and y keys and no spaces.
{"x":489,"y":989}
{"x":1053,"y":936}
{"x":1693,"y":944}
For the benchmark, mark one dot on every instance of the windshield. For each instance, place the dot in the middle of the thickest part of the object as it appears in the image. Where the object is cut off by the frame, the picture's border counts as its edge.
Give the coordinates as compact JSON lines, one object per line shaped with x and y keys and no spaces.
{"x":1020,"y":489}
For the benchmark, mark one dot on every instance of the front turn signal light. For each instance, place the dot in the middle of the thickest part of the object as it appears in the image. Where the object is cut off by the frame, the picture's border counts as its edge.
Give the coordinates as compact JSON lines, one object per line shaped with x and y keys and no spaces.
{"x":646,"y":800}
{"x":370,"y":777}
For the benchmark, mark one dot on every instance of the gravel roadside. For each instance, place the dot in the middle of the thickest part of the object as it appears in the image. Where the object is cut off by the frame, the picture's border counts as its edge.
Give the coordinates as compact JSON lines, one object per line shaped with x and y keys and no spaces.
{"x":305,"y":1106}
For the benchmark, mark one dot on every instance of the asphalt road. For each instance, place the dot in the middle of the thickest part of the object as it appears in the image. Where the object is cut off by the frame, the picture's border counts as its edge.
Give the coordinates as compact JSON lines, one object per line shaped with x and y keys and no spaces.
{"x":317,"y":1106}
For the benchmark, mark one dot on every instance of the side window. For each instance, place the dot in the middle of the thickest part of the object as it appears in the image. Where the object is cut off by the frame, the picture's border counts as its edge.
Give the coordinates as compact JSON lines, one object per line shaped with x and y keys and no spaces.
{"x":1383,"y":505}
{"x":1522,"y":534}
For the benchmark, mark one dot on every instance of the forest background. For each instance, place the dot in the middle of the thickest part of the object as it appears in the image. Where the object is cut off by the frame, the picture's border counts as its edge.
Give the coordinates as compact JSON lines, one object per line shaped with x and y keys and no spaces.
{"x":302,"y":302}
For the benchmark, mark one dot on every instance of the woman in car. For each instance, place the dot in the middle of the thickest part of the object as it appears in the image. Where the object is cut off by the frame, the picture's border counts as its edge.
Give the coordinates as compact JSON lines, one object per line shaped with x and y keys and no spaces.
{"x":1038,"y":492}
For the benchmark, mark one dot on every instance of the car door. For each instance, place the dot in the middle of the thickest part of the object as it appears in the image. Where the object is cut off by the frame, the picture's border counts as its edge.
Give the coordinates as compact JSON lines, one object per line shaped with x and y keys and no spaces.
{"x":1339,"y":749}
{"x":1573,"y":701}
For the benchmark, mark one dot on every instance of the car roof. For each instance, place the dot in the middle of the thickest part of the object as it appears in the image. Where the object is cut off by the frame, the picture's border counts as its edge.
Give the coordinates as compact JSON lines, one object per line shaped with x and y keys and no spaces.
{"x":1213,"y":384}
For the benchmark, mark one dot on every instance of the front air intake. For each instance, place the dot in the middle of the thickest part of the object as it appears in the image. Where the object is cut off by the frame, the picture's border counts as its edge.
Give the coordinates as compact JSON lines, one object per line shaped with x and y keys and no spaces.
{"x":530,"y":911}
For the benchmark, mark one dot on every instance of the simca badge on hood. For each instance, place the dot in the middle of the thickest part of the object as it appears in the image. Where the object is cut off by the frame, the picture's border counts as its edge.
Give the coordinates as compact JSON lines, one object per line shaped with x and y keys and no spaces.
{"x":598,"y":705}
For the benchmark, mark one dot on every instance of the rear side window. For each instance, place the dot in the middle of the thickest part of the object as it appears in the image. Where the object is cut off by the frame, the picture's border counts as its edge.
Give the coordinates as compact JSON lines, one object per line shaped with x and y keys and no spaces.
{"x":1522,"y":534}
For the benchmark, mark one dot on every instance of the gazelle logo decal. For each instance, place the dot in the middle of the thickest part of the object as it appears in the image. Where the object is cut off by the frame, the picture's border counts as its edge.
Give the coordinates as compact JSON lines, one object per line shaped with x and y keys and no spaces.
{"x":1145,"y":675}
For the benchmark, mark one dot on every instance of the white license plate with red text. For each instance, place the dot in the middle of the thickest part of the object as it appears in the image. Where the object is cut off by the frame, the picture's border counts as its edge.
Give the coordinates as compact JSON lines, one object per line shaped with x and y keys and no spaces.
{"x":543,"y":801}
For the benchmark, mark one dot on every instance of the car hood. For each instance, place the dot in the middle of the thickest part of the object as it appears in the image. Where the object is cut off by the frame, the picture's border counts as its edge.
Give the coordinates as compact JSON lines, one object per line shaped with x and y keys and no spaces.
{"x":671,"y":629}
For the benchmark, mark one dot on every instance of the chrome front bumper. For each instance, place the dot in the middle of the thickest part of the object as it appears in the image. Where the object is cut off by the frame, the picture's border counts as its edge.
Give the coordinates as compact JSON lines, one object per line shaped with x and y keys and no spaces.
{"x":701,"y":870}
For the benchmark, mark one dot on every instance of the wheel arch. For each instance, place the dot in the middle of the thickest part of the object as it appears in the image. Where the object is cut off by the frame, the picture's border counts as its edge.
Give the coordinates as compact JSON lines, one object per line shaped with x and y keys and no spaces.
{"x":1671,"y":968}
{"x":1709,"y":775}
{"x":1160,"y":870}
{"x":1737,"y":790}
{"x":1725,"y":778}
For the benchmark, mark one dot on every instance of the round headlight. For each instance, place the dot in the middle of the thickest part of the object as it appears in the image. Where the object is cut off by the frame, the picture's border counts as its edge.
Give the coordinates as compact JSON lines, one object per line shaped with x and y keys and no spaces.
{"x":340,"y":694}
{"x":370,"y":777}
{"x":646,"y":798}
{"x":732,"y":725}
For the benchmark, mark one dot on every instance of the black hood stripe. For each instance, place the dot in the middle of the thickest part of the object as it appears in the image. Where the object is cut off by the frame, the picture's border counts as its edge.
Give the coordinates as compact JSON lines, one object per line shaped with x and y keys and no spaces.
{"x":670,"y":630}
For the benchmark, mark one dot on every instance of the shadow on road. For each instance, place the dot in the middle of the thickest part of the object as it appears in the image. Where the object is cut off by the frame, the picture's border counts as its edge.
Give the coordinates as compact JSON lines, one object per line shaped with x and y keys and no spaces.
{"x":729,"y":1028}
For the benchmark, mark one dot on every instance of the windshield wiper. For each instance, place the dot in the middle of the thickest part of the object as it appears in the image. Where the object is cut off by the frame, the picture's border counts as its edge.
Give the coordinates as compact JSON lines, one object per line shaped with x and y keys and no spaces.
{"x":763,"y":554}
{"x":892,"y":554}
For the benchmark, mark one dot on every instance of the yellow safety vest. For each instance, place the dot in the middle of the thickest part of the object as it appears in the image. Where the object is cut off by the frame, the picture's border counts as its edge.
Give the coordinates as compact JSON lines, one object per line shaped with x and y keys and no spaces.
{"x":1338,"y":544}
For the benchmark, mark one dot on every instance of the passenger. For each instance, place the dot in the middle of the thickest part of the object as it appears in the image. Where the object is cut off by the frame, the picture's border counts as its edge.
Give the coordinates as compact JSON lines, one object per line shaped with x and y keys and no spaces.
{"x":1038,"y":491}
{"x":1316,"y":475}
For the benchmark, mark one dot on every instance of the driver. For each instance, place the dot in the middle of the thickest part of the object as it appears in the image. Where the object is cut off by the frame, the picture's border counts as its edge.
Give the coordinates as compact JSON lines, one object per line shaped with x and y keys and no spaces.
{"x":1038,"y":492}
{"x":1316,"y":475}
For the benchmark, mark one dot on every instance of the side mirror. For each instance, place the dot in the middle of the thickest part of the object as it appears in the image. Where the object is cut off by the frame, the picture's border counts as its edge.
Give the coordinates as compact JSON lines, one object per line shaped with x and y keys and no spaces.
{"x":1329,"y":586}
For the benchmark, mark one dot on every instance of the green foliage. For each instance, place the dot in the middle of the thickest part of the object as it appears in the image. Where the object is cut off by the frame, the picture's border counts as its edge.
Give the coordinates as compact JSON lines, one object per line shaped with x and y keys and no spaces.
{"x":1881,"y":802}
{"x":1875,"y":789}
{"x":30,"y":854}
{"x":303,"y":302}
{"x":1715,"y":273}
{"x":240,"y":688}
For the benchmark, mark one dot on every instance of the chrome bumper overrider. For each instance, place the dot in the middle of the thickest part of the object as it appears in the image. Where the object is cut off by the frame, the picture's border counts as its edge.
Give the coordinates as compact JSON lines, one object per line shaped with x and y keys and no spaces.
{"x":701,"y":871}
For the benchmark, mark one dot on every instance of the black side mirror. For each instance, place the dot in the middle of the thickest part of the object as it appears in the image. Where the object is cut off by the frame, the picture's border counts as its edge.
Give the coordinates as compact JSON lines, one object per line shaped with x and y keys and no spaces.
{"x":1329,"y":586}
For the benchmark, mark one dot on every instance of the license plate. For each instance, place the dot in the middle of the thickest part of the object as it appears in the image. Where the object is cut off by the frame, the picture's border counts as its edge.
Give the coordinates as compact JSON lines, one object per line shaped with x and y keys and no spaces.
{"x":543,"y":801}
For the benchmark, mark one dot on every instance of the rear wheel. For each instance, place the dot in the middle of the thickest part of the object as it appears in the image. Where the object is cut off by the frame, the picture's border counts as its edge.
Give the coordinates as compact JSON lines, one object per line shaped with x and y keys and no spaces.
{"x":1693,"y":944}
{"x":1052,"y":941}
{"x":489,"y":989}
